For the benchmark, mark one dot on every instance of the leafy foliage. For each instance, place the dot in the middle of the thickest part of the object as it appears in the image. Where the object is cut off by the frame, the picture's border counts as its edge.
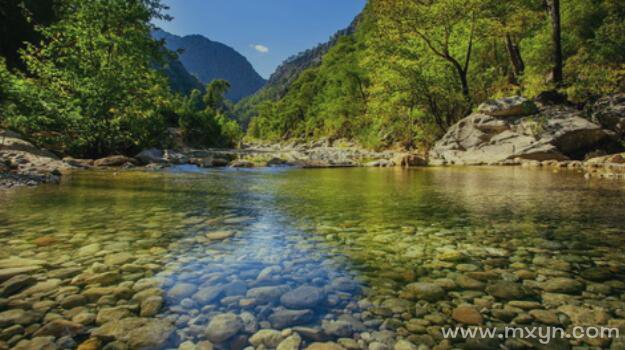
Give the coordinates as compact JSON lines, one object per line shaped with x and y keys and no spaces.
{"x":413,"y":68}
{"x":90,"y":87}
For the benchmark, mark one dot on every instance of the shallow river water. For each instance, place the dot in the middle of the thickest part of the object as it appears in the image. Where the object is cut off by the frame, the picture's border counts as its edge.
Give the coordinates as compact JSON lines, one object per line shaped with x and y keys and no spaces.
{"x":285,"y":258}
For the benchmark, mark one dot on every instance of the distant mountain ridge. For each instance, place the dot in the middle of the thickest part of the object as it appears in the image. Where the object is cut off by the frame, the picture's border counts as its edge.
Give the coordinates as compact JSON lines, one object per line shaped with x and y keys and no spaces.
{"x":278,"y":84}
{"x":208,"y":60}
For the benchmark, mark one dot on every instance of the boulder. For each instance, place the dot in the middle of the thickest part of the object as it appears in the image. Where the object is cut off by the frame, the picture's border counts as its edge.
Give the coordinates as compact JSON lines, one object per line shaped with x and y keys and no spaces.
{"x":175,"y":157}
{"x":59,"y":328}
{"x":223,"y":327}
{"x":151,"y":155}
{"x":303,"y":297}
{"x":151,"y":306}
{"x":16,"y":284}
{"x":408,"y":160}
{"x":114,"y":161}
{"x":36,"y":343}
{"x":555,"y":133}
{"x":269,"y":338}
{"x":281,"y":319}
{"x":508,"y":107}
{"x":137,"y":332}
{"x":584,"y":316}
{"x":17,"y":316}
{"x":265,"y":295}
{"x":466,"y":314}
{"x":562,"y":285}
{"x":423,"y":291}
{"x":609,"y":112}
{"x":79,"y":163}
{"x":508,"y":290}
{"x":241,"y":164}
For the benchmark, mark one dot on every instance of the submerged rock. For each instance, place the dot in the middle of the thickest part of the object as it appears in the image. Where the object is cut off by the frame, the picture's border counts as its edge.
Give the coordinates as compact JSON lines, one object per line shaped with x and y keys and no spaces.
{"x":467,"y":315}
{"x":138,"y":333}
{"x":507,"y":290}
{"x":303,"y":297}
{"x":223,"y":327}
{"x":268,"y":338}
{"x":286,"y":318}
{"x":423,"y":291}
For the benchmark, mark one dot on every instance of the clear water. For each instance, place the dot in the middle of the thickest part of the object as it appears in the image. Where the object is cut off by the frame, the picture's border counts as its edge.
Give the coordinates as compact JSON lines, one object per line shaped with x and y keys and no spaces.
{"x":358,"y":235}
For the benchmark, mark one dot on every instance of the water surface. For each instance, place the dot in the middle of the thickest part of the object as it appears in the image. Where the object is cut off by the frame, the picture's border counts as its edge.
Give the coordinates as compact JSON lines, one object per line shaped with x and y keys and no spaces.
{"x":214,"y":242}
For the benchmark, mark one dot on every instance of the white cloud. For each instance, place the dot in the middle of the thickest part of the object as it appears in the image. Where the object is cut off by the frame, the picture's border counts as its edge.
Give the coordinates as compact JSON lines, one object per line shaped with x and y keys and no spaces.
{"x":261,"y":48}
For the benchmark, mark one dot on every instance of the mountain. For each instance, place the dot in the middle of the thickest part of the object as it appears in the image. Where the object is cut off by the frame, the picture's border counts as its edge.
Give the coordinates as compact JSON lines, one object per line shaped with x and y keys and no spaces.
{"x":209,"y":60}
{"x":279,"y":82}
{"x":290,"y":69}
{"x":180,"y":80}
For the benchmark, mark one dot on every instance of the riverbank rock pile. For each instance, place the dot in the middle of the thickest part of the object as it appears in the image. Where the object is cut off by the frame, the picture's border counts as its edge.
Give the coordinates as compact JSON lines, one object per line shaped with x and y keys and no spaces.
{"x":516,"y":128}
{"x":22,"y":164}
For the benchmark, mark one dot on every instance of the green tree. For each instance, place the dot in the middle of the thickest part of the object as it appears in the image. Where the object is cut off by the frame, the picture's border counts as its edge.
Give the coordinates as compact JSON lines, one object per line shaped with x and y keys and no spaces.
{"x":94,"y":86}
{"x":214,"y":97}
{"x":447,"y":27}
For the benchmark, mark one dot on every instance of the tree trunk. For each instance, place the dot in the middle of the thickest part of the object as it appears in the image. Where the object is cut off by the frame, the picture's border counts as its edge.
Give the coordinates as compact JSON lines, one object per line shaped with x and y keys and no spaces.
{"x":554,"y":11}
{"x":462,"y":74}
{"x":518,"y":66}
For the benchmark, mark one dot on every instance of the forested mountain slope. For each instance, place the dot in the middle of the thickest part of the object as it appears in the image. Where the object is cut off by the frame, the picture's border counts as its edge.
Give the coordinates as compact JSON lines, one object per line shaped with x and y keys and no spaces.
{"x":412,"y":69}
{"x":279,"y":82}
{"x":209,"y":60}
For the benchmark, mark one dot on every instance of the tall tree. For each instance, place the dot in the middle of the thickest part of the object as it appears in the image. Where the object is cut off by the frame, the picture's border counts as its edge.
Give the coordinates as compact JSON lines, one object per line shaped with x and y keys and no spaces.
{"x":556,"y":41}
{"x":448,"y":29}
{"x":93,"y":80}
{"x":214,"y":97}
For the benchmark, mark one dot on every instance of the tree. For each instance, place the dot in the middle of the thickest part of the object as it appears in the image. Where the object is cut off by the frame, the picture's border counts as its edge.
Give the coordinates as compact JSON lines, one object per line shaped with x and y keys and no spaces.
{"x":448,"y":28}
{"x":215,"y":95}
{"x":92,"y":82}
{"x":18,"y":21}
{"x":556,"y":40}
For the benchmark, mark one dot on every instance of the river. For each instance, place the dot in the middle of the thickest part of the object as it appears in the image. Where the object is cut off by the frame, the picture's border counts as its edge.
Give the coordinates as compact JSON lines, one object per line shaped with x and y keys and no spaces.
{"x":196,"y":258}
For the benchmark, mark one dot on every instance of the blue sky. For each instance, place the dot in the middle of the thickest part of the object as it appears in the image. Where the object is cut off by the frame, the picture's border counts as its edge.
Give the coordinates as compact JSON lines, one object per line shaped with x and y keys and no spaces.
{"x":264,"y":31}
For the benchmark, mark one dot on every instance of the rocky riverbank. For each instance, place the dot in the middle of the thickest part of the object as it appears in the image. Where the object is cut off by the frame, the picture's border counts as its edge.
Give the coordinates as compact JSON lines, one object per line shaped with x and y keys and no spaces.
{"x":513,"y":130}
{"x":546,"y":132}
{"x":22,"y":164}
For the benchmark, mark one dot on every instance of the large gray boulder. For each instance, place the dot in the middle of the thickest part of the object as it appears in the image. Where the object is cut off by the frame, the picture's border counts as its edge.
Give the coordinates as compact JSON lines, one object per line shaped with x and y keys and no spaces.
{"x":555,"y":133}
{"x":223,"y":327}
{"x":609,"y":112}
{"x":114,"y":161}
{"x":152,"y":155}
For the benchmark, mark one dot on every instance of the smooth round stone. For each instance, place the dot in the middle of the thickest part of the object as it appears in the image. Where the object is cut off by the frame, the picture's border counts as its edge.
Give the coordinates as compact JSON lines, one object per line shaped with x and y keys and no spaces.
{"x":286,"y":318}
{"x":467,"y":267}
{"x":223,"y":327}
{"x":269,"y":338}
{"x":467,"y":315}
{"x":563,"y":285}
{"x":597,"y":274}
{"x":304,"y":297}
{"x":181,"y":291}
{"x":507,"y":290}
{"x":422,"y":290}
